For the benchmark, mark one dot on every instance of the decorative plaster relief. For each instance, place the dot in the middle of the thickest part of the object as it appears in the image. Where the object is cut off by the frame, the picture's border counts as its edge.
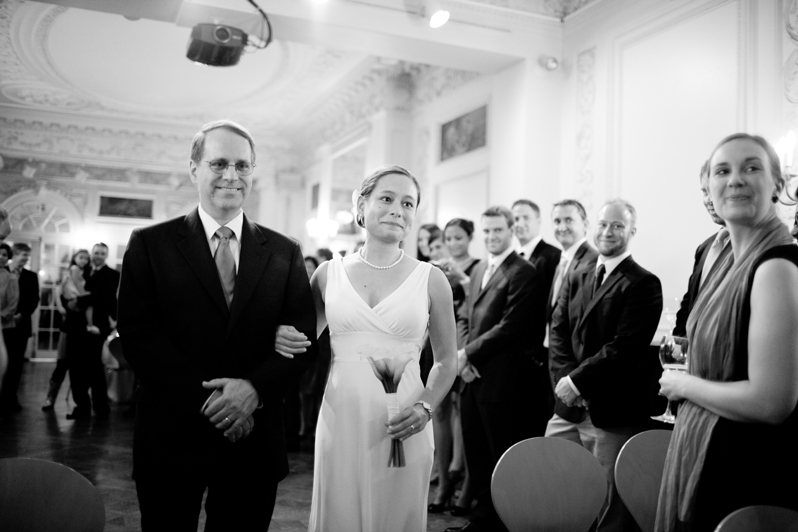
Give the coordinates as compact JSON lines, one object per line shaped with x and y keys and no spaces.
{"x":50,"y":171}
{"x":586,"y":99}
{"x":37,"y":139}
{"x":400,"y":87}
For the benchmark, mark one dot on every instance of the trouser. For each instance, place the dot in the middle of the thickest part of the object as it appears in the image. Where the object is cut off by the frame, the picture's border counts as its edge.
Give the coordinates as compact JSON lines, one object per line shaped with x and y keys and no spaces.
{"x":170,"y":493}
{"x":16,"y":344}
{"x":605,"y":445}
{"x":86,"y":371}
{"x":489,"y":429}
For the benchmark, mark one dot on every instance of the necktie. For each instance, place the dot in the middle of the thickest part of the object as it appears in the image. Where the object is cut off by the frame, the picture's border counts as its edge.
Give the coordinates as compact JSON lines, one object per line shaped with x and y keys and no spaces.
{"x":488,"y":273}
{"x":225,"y":263}
{"x":599,"y":278}
{"x":559,"y":277}
{"x":714,"y":252}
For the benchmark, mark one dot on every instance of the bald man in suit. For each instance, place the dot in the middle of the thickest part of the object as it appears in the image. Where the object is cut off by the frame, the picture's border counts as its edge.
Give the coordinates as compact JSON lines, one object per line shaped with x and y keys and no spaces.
{"x":601,"y":330}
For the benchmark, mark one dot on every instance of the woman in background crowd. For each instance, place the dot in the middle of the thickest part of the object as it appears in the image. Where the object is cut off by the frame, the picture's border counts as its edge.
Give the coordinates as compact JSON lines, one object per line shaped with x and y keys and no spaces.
{"x":424,"y":233}
{"x":68,"y":304}
{"x":734,"y":436}
{"x":457,"y":264}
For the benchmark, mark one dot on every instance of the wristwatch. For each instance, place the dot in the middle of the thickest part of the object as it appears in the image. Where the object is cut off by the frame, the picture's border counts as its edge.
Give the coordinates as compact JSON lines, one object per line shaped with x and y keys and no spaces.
{"x":426,"y":406}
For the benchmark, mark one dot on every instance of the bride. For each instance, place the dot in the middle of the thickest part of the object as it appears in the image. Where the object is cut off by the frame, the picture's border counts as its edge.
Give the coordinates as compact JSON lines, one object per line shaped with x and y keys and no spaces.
{"x":378,"y":304}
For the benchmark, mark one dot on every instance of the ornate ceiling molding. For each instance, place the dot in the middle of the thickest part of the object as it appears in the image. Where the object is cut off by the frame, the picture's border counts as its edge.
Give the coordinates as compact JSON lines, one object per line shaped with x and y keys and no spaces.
{"x":399,"y":87}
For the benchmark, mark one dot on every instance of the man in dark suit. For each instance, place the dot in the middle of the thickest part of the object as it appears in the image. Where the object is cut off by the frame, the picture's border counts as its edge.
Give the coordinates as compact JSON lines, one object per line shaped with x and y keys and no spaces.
{"x":17,"y":339}
{"x":709,"y":254}
{"x":200,"y":300}
{"x":570,"y":229}
{"x":494,"y":362}
{"x":600,"y":334}
{"x":545,"y":258}
{"x":86,"y":370}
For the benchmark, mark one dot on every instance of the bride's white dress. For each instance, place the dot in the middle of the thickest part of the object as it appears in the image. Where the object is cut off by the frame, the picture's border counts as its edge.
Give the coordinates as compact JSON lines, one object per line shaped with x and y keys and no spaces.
{"x":353,"y":487}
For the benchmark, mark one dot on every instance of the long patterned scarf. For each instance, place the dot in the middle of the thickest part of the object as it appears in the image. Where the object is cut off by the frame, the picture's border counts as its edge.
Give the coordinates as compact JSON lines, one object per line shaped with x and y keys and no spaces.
{"x":718,"y":352}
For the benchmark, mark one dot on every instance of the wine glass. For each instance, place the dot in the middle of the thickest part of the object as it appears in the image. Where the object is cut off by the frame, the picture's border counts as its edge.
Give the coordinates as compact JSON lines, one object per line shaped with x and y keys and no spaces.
{"x":673,"y":357}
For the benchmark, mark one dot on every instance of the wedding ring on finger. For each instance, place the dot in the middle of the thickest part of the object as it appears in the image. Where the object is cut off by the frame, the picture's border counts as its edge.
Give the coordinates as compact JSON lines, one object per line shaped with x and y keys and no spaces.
{"x":412,"y":427}
{"x":227,"y":419}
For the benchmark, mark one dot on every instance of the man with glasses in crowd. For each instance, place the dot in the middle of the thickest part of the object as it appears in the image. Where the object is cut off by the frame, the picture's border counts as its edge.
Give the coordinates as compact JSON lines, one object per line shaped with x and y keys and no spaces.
{"x":200,"y":300}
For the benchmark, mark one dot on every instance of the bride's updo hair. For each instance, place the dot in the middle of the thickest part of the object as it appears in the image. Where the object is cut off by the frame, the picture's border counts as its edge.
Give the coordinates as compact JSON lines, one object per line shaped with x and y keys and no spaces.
{"x":367,"y":187}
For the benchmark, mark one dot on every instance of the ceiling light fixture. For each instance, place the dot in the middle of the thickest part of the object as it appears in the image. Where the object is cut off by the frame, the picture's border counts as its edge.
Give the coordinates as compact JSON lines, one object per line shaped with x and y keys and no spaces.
{"x":215,"y":44}
{"x":549,"y":62}
{"x":437,"y":15}
{"x":439,"y":18}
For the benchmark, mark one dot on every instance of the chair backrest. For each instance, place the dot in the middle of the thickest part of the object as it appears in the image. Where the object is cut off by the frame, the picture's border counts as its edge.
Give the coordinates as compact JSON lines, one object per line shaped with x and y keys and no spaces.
{"x":37,"y":495}
{"x":638,"y":475}
{"x":548,"y":484}
{"x":760,"y":519}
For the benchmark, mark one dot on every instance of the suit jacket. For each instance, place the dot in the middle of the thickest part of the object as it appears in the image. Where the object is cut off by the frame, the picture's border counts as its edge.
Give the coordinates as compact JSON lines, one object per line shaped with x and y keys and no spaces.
{"x":103,"y":286}
{"x":545,"y":258}
{"x":493,"y":328}
{"x":28,"y":301}
{"x":602,"y":343}
{"x":694,"y":284}
{"x":585,"y":255}
{"x":177,"y":332}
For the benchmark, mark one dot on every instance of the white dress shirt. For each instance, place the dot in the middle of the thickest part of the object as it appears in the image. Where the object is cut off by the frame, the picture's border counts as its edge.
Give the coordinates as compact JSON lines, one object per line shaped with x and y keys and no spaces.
{"x":529,"y":247}
{"x":211,"y":226}
{"x":494,"y":262}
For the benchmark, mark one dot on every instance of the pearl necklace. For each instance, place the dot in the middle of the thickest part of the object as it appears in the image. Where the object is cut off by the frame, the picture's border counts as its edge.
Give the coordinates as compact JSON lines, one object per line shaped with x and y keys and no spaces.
{"x":401,"y":256}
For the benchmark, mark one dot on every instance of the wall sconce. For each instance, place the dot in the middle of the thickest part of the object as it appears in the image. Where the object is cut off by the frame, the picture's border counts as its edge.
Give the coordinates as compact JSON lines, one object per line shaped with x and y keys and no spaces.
{"x":549,"y":62}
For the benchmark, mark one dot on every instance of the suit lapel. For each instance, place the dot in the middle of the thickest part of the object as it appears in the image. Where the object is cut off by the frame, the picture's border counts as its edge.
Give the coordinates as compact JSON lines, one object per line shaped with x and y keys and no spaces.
{"x":252,"y":262}
{"x":498,"y":275}
{"x":608,"y":284}
{"x":193,"y":244}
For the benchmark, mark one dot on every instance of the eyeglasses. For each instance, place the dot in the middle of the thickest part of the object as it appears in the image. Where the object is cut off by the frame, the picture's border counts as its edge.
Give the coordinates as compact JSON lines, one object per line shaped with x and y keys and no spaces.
{"x":220,"y":166}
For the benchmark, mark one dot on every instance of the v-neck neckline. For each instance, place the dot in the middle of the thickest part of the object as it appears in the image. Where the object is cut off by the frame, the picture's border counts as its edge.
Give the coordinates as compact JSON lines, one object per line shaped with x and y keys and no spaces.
{"x":352,"y":286}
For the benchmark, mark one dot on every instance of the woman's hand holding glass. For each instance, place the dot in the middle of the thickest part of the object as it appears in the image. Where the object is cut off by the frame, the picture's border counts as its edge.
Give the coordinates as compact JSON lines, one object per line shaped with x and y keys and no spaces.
{"x":674,"y":360}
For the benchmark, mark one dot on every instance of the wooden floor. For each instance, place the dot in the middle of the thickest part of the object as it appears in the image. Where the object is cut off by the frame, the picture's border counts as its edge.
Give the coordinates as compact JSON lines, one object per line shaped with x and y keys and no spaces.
{"x":101,"y":451}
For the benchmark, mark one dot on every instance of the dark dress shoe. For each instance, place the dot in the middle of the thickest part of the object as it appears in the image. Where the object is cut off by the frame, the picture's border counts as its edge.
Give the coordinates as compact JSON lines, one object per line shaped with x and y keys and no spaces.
{"x":459,"y":511}
{"x":468,"y":527}
{"x":436,"y":508}
{"x":79,"y":413}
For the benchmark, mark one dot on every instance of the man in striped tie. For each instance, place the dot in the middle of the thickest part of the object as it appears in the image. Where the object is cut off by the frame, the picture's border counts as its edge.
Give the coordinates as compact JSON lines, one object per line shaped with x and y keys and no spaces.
{"x":199,"y":303}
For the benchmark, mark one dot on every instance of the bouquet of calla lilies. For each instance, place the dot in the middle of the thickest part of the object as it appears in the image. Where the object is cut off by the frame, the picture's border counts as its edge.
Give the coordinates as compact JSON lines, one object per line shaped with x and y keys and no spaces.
{"x":389,"y":371}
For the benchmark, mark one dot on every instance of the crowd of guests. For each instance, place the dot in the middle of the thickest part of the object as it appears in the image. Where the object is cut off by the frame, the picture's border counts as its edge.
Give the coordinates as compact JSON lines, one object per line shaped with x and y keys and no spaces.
{"x":85,"y":297}
{"x":550,"y":341}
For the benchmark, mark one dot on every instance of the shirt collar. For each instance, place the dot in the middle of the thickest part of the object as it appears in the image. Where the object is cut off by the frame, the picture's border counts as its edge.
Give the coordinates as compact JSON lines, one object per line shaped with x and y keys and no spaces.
{"x":571,"y":251}
{"x":611,"y":264}
{"x":211,"y":226}
{"x":497,"y":260}
{"x":529,"y":247}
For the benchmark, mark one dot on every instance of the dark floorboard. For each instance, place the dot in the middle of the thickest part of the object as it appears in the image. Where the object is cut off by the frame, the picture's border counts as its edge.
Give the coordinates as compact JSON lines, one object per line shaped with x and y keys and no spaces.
{"x":101,"y":451}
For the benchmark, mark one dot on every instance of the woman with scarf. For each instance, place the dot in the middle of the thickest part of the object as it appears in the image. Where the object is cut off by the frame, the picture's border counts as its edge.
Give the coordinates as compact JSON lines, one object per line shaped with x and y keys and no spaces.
{"x":734,"y":437}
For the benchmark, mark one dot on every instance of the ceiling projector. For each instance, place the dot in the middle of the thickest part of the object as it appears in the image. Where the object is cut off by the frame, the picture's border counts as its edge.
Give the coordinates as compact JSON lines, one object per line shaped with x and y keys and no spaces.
{"x":216,"y":45}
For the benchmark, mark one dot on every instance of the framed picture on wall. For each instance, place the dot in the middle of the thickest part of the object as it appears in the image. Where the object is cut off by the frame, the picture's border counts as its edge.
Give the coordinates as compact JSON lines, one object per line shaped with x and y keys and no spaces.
{"x":464,"y":134}
{"x":126,"y":207}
